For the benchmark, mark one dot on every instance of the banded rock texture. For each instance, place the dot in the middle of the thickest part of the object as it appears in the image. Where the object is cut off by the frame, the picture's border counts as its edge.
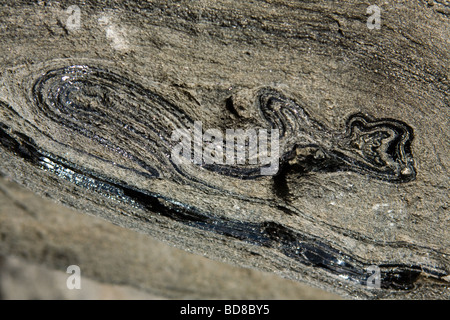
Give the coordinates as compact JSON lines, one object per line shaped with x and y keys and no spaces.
{"x":87,"y":117}
{"x":48,"y":237}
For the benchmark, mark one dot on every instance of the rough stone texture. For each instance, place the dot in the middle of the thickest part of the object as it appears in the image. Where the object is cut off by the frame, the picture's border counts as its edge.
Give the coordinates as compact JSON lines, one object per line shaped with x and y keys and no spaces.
{"x":39,"y":236}
{"x":349,"y":200}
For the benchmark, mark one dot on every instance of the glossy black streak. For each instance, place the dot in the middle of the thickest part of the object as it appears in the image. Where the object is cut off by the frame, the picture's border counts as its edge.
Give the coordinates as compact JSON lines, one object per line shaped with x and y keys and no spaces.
{"x":380,"y":148}
{"x":109,"y":109}
{"x":302,"y":248}
{"x":82,"y":97}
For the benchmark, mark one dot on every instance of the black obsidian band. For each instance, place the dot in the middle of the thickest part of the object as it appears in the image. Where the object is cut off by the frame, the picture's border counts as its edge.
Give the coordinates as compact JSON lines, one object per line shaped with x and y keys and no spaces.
{"x":106,"y":108}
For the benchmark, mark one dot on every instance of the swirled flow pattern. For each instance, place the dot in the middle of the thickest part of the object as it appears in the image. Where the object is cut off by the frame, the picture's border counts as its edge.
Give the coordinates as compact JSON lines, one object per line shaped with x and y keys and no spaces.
{"x":134,"y":125}
{"x":96,"y":103}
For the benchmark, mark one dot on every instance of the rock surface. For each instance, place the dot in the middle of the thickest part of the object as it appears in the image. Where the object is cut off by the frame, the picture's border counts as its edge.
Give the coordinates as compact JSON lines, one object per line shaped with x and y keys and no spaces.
{"x":40,"y":239}
{"x":87,"y":111}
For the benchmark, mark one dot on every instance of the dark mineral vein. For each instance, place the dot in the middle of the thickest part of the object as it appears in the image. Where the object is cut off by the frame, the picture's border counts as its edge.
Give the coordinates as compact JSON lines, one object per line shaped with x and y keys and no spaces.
{"x":82,"y":97}
{"x":300,"y":247}
{"x":107,"y":108}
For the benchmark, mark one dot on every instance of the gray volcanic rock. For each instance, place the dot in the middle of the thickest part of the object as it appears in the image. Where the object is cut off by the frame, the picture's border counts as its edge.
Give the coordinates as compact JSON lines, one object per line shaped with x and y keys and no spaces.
{"x":40,"y":239}
{"x":90,"y":99}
